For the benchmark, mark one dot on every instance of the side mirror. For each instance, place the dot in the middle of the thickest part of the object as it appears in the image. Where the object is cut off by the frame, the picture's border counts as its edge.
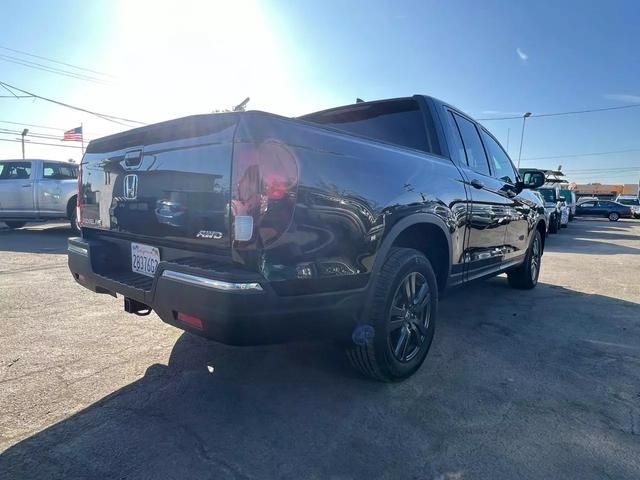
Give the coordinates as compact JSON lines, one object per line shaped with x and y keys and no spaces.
{"x":533,"y":179}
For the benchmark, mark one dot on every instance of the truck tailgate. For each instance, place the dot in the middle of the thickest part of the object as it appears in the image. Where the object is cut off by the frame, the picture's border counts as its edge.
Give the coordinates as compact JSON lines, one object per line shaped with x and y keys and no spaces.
{"x":163,"y":184}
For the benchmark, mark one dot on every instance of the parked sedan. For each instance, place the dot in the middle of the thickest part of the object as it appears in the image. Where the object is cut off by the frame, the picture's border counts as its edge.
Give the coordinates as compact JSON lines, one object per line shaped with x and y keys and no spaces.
{"x":603,"y":208}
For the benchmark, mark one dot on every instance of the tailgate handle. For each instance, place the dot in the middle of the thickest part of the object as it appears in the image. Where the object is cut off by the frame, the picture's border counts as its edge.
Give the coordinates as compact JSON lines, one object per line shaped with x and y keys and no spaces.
{"x":132,"y":159}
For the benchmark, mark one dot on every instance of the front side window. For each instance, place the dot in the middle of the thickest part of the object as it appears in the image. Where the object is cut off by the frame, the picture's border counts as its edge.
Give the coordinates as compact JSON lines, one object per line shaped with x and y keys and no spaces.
{"x":499,"y":160}
{"x":476,"y":158}
{"x":59,"y":171}
{"x":15,"y":170}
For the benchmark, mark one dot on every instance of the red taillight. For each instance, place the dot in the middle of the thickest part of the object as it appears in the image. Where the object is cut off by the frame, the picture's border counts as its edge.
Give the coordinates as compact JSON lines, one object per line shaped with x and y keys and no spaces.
{"x":264,"y":187}
{"x":190,"y":320}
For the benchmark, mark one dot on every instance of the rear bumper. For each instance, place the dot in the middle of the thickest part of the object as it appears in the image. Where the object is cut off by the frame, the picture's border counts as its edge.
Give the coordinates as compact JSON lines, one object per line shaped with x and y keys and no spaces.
{"x":234,"y":309}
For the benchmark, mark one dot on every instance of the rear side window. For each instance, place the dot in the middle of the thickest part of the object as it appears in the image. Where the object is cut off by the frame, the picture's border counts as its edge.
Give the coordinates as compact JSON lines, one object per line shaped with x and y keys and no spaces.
{"x":587,"y":204}
{"x":476,"y":158}
{"x":15,"y":170}
{"x":59,"y":171}
{"x":400,"y":122}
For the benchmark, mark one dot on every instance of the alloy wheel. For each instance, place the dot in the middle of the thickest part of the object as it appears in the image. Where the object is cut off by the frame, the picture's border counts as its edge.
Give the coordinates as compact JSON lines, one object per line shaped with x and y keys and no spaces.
{"x":535,"y":259}
{"x":409,"y":317}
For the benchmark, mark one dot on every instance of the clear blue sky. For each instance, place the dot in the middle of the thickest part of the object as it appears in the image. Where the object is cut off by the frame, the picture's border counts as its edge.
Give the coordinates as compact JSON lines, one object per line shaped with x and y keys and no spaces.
{"x":296,"y":56}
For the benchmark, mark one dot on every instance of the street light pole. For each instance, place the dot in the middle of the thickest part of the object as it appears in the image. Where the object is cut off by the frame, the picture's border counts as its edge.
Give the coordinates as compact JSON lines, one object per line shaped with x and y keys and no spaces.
{"x":524,"y":120}
{"x":24,"y":134}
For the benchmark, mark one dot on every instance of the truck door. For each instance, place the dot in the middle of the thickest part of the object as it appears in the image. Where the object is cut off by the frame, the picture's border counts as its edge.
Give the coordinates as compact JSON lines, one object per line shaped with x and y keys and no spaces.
{"x":520,"y":214}
{"x":489,"y":205}
{"x":16,"y":189}
{"x":52,"y":186}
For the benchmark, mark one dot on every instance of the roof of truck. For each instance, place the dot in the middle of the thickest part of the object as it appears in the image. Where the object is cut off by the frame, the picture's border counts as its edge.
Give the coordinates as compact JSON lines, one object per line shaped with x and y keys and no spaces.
{"x":38,"y":160}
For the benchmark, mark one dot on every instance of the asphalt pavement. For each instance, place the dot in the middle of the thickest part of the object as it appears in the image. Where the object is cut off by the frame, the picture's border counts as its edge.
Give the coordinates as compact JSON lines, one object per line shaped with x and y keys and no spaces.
{"x":518,"y":385}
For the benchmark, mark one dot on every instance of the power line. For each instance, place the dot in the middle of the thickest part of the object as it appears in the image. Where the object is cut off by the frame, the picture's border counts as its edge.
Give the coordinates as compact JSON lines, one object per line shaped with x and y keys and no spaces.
{"x":9,"y":90}
{"x":611,"y":152}
{"x":6,"y":131}
{"x":57,"y":71}
{"x":55,"y":61}
{"x":39,"y":143}
{"x":110,"y":118}
{"x":602,"y":170}
{"x":556,"y":114}
{"x":33,"y":125}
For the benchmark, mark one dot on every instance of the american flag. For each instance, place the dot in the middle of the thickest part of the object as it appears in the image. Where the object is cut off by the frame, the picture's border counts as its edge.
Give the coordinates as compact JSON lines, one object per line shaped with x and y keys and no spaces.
{"x":73,"y":135}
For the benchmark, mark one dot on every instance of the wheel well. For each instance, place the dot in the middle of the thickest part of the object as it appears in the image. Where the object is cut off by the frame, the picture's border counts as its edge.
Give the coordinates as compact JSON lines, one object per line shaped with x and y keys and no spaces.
{"x":543,"y":232}
{"x":71,"y":204}
{"x":432,"y":242}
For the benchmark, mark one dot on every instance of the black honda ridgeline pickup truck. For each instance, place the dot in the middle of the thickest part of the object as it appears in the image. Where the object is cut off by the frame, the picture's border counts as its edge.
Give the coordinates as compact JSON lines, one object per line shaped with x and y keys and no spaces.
{"x":252,"y":228}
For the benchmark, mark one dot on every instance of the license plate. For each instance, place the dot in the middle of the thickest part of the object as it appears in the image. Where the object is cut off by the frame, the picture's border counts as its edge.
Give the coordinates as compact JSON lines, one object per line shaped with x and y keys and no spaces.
{"x":144,"y":259}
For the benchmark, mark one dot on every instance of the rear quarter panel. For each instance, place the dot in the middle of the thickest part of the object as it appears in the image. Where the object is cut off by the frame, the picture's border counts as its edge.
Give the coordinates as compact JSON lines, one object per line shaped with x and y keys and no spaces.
{"x":351,"y":192}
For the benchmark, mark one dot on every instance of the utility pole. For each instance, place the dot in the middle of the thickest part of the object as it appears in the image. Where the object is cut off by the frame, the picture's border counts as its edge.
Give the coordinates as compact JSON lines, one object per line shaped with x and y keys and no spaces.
{"x":508,"y":133}
{"x":24,"y":134}
{"x":524,"y":120}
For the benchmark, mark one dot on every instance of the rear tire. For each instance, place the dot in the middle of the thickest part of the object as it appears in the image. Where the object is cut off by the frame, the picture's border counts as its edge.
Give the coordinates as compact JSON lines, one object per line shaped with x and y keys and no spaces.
{"x":13,"y":225}
{"x":614,"y":217}
{"x":393,"y":342}
{"x":73,"y":221}
{"x":525,"y":277}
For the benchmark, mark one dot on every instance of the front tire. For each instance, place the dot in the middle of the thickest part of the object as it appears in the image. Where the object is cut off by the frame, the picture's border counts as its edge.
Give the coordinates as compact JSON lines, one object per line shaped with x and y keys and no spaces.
{"x":393,"y":342}
{"x":614,"y":217}
{"x":14,"y":225}
{"x":525,"y":277}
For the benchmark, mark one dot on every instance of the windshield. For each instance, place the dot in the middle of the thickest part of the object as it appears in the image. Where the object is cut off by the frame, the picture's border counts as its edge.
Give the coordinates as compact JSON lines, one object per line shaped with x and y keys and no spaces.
{"x":548,"y":194}
{"x":629,"y":201}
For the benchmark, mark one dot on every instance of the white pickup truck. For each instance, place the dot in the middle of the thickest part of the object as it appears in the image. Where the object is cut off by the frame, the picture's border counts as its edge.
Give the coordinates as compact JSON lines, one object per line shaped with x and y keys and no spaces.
{"x":37,"y":191}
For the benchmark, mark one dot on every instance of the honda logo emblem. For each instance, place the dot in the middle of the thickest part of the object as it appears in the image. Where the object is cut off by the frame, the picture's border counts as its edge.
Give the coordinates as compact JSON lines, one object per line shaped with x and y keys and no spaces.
{"x":131,"y":187}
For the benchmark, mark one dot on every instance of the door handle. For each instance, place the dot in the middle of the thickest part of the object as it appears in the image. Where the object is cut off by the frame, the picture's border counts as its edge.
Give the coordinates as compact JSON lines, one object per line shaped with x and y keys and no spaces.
{"x":25,"y":185}
{"x":475,"y":183}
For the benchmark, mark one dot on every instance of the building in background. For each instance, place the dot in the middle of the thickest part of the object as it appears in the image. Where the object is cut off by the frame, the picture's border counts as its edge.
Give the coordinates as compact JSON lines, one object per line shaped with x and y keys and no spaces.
{"x":605,"y":192}
{"x":630,"y":189}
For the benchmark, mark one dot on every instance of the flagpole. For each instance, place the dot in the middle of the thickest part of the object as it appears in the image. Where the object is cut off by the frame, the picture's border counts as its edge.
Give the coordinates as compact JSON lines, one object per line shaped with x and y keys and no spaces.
{"x":82,"y":141}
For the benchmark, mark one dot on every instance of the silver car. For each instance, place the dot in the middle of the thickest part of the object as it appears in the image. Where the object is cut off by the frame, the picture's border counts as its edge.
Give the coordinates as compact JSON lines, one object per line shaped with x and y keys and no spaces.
{"x":37,"y":191}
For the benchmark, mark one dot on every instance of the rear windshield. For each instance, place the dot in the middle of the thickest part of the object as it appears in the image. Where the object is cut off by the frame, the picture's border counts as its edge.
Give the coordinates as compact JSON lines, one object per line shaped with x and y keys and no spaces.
{"x":398,"y":121}
{"x":548,"y":194}
{"x":629,"y":201}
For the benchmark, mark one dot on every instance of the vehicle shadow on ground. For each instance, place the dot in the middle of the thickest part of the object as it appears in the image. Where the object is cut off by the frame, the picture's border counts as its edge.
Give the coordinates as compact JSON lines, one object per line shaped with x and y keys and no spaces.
{"x":50,"y":239}
{"x":508,"y":391}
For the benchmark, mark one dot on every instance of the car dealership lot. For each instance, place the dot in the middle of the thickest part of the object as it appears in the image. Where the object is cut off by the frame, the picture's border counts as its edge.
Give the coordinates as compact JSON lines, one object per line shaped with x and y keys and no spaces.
{"x":533,"y":384}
